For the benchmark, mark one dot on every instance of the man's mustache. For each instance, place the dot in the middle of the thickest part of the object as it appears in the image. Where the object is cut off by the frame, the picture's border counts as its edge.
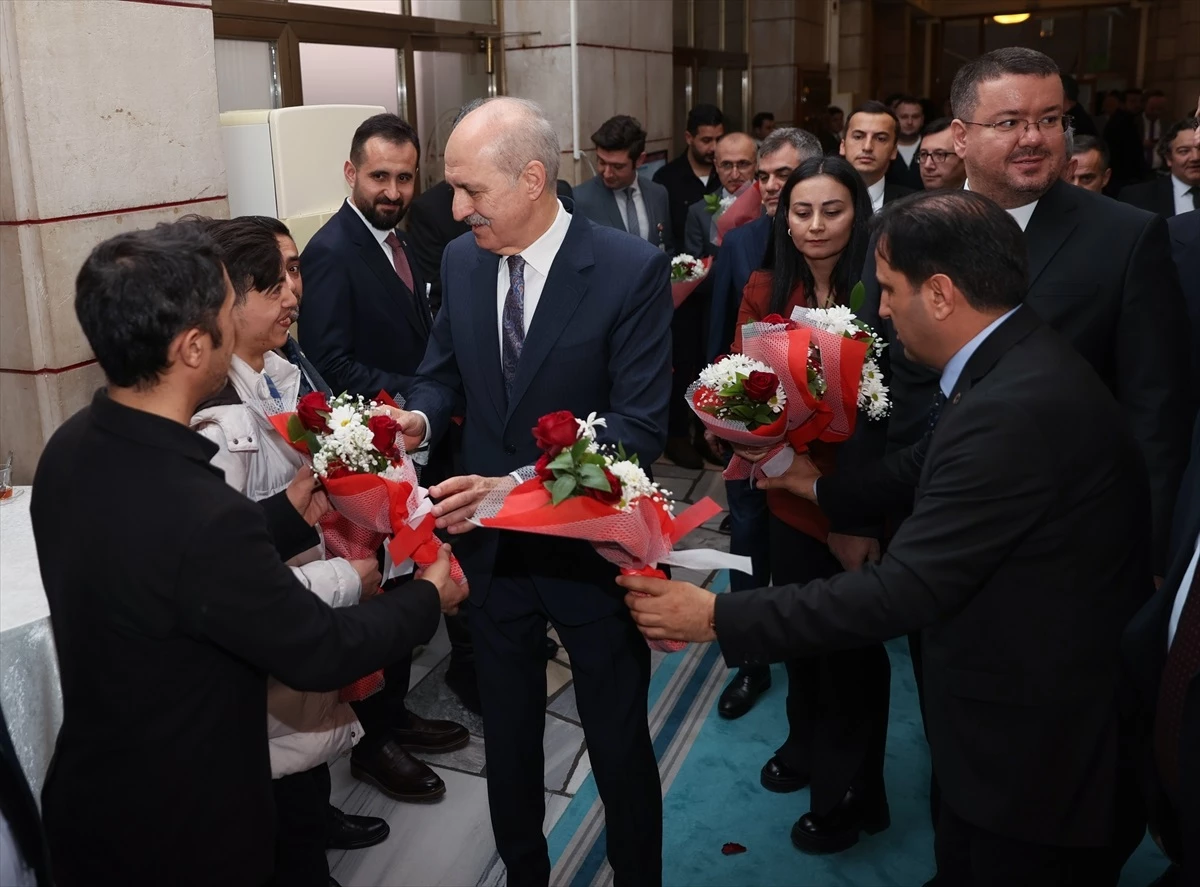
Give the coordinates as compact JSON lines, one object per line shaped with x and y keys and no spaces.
{"x":475,"y":220}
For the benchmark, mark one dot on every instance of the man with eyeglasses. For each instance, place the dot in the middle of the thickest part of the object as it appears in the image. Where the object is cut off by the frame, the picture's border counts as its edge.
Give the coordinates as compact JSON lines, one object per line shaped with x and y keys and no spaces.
{"x":737,"y":163}
{"x":1100,"y":273}
{"x":941,"y":168}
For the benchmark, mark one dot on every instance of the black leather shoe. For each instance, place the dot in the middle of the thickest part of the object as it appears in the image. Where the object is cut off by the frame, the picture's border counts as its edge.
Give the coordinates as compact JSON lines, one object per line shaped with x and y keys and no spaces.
{"x":680,"y":451}
{"x":745,"y":688}
{"x":462,"y":682}
{"x":347,"y":832}
{"x":396,"y":773}
{"x":840,"y":828}
{"x":419,"y":734}
{"x":726,"y":526}
{"x":778,"y":777}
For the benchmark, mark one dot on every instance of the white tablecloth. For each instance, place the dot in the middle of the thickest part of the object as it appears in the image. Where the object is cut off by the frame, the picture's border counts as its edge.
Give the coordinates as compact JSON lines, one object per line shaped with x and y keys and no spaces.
{"x":29,"y":684}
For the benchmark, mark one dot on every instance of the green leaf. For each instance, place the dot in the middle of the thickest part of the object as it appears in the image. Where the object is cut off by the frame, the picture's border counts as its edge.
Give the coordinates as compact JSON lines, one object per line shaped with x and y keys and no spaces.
{"x":562,"y":462}
{"x":579,"y":448}
{"x":295,"y":428}
{"x":563,"y":488}
{"x":593,"y":478}
{"x":312,"y":442}
{"x":712,"y":202}
{"x":858,"y":295}
{"x":621,"y":452}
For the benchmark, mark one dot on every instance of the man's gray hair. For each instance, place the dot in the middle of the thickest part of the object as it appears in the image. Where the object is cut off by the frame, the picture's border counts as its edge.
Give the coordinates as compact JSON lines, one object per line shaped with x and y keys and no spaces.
{"x":525,"y":134}
{"x":964,"y":93}
{"x":465,"y":110}
{"x":805,"y":143}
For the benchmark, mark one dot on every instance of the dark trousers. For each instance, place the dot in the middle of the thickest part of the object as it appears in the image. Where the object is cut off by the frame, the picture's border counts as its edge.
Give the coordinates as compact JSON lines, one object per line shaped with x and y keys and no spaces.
{"x":382,"y":711}
{"x":748,"y":534}
{"x":688,"y":341}
{"x":837,"y":703}
{"x":968,"y":856}
{"x":301,"y":827}
{"x":610,"y":664}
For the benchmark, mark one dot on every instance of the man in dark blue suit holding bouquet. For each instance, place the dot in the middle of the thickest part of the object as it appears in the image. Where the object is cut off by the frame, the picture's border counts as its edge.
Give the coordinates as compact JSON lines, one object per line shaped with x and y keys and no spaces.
{"x":542,"y":312}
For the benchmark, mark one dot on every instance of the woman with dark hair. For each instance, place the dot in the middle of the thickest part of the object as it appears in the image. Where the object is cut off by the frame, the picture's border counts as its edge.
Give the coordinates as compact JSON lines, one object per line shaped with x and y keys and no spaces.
{"x":837,"y":703}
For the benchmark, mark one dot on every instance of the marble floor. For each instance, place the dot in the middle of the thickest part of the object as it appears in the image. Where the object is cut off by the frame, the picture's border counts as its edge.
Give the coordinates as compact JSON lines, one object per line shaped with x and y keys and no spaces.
{"x":449,"y":842}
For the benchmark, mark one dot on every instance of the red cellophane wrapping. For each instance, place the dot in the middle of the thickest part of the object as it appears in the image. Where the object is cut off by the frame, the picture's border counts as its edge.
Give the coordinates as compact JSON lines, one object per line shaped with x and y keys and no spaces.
{"x":772,"y":435}
{"x":367,"y":509}
{"x":745,"y":208}
{"x":842,"y":363}
{"x":684,"y":288}
{"x":634,"y":540}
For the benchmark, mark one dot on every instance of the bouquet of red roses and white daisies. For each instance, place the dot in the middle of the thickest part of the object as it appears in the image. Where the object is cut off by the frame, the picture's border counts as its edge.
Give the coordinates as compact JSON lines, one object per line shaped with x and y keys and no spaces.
{"x":741,"y":400}
{"x":580,"y":489}
{"x":686,"y":274}
{"x":850,"y":352}
{"x":372,"y":483}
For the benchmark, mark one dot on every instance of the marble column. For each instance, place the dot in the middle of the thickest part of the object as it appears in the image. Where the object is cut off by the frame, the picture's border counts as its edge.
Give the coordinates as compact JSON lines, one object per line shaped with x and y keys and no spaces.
{"x":1172,"y":58}
{"x":624,"y":51}
{"x":785,"y":35}
{"x":108,"y":123}
{"x":854,"y":49}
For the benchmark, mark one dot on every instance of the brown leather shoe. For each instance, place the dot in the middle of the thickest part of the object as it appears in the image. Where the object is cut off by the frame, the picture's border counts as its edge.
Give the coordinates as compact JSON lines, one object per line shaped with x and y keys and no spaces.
{"x":396,"y":773}
{"x":419,"y":734}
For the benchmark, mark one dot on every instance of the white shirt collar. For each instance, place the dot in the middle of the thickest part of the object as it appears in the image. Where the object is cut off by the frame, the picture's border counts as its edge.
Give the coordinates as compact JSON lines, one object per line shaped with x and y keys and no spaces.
{"x":954,"y":366}
{"x":875,"y":192}
{"x":1022,"y":214}
{"x":1181,"y":187}
{"x":540,"y":254}
{"x":381,"y":236}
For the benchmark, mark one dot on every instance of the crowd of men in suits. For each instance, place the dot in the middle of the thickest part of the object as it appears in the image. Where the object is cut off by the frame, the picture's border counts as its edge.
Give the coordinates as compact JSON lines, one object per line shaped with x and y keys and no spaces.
{"x":1054,"y":459}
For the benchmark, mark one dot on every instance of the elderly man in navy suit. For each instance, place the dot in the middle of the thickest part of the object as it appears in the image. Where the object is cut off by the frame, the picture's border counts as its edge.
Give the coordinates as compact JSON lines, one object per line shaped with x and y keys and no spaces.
{"x":545,"y":311}
{"x":742,"y":253}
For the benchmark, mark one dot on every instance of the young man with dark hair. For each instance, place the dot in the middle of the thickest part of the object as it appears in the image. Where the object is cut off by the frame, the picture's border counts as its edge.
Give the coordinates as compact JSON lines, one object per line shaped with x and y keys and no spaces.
{"x":905,"y":169}
{"x":690,"y":176}
{"x":1178,"y":192}
{"x":1091,"y":169}
{"x":620,"y":197}
{"x":869,"y":143}
{"x":366,"y":323}
{"x":170,"y":613}
{"x":941,"y":167}
{"x":761,"y":125}
{"x":1022,"y":617}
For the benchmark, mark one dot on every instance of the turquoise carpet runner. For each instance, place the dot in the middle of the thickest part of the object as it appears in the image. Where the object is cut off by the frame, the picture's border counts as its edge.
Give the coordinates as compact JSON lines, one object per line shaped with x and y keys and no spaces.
{"x":709,"y":768}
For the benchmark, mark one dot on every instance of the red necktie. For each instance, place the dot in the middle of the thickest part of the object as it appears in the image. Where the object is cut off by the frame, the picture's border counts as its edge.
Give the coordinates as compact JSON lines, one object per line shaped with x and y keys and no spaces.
{"x":1183,"y":662}
{"x":399,"y":259}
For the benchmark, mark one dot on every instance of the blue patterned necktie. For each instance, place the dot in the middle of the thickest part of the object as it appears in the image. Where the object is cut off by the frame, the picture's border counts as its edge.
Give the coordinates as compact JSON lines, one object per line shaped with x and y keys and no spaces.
{"x":513,"y":320}
{"x":275,"y":404}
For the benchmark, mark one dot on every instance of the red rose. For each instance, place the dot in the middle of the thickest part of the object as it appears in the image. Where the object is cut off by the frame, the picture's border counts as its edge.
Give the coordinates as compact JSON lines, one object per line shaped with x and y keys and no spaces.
{"x":760,"y":387}
{"x":774,"y":318}
{"x":383,"y":433}
{"x":542,"y":467}
{"x":557,"y":431}
{"x":336,"y":470}
{"x":613,"y":496}
{"x":310,"y":410}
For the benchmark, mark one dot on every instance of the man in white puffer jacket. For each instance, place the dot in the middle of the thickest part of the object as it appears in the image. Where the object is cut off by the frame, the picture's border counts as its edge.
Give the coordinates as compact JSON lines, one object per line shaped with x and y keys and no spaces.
{"x":305,"y":730}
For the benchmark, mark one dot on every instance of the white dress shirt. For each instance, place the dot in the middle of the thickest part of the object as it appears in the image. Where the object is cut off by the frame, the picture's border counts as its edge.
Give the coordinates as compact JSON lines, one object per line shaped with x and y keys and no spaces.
{"x":875,"y":192}
{"x":1183,"y":200}
{"x":908,"y":152}
{"x":380,"y":236}
{"x":1181,"y":596}
{"x":538,"y":256}
{"x":1022,"y":214}
{"x":639,"y":204}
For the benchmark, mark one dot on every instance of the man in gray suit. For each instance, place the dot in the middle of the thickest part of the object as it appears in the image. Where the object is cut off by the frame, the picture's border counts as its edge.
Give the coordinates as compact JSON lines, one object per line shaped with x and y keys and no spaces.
{"x":618,"y":197}
{"x":736,"y":163}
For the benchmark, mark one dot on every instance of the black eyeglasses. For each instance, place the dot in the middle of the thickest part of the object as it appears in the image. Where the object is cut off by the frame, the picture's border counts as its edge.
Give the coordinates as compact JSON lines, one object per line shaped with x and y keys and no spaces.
{"x":938,"y":157}
{"x":1050,"y":124}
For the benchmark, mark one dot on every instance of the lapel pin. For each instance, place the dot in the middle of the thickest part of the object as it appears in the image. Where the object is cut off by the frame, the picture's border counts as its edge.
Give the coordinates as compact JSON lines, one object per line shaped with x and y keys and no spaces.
{"x":956,"y":397}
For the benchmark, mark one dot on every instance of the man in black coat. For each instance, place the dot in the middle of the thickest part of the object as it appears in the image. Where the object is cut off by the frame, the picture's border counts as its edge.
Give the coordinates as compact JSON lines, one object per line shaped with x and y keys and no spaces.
{"x":1178,"y":193}
{"x":1100,"y":272}
{"x":170,"y":613}
{"x":691,"y":175}
{"x":365,"y":321}
{"x":1025,"y":557}
{"x":1162,"y":649}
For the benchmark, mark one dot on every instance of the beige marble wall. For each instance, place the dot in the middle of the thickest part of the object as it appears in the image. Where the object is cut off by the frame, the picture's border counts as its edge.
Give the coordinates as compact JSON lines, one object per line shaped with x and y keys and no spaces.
{"x":785,"y":35}
{"x":94,"y":140}
{"x":1172,"y":59}
{"x":624,"y":52}
{"x":854,"y":49}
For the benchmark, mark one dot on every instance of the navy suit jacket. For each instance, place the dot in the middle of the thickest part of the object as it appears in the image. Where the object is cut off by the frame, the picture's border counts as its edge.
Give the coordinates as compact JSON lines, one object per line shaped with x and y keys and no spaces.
{"x":596,"y":201}
{"x":742,"y":253}
{"x":600,"y":341}
{"x":359,"y":324}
